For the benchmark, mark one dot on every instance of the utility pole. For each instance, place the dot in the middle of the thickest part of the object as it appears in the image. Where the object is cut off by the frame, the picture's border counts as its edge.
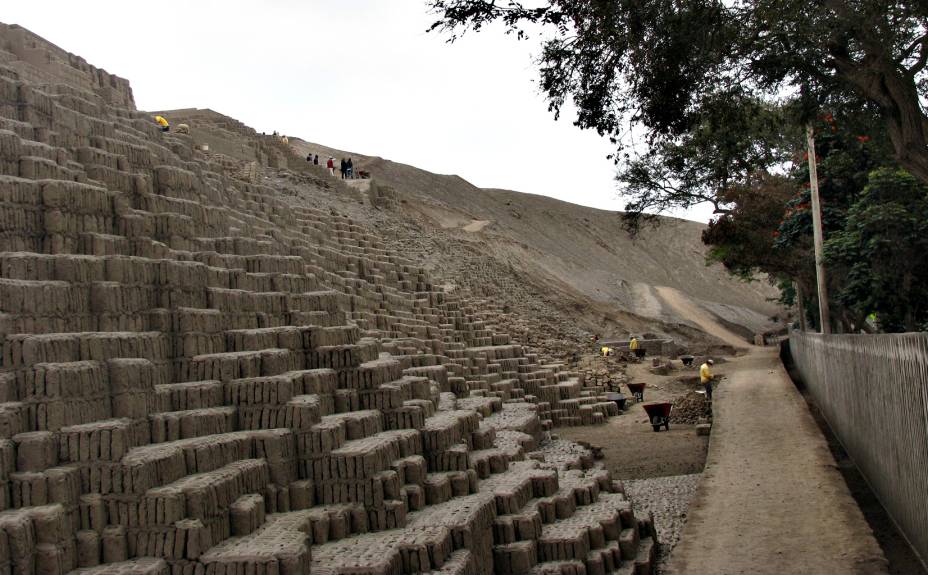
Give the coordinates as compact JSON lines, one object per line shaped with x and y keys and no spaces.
{"x":824,"y":318}
{"x":802,"y":307}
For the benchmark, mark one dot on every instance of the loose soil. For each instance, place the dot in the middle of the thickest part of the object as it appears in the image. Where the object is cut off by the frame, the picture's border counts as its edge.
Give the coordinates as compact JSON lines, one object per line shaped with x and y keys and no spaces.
{"x":631,"y":448}
{"x":688,"y":309}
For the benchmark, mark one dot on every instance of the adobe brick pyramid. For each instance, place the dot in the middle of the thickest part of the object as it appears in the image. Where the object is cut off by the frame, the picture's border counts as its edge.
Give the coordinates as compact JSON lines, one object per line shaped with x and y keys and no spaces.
{"x":202,"y":374}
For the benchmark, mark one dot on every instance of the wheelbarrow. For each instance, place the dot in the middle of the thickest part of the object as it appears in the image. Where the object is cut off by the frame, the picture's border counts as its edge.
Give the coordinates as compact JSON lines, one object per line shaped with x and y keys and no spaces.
{"x":618,"y":398}
{"x":637,"y":390}
{"x":687,"y":360}
{"x":659,"y":414}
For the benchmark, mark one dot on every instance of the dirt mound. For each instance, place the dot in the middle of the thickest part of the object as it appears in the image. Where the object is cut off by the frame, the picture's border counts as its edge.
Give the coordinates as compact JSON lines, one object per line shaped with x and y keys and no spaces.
{"x":690,"y":408}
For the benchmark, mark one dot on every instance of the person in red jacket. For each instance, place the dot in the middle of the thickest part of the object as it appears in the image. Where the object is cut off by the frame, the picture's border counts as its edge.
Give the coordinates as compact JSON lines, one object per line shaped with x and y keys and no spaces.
{"x":331,"y":166}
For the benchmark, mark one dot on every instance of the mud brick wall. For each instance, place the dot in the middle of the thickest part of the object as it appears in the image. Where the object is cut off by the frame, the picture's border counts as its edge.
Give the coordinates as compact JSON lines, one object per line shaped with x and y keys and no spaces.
{"x":201,"y":374}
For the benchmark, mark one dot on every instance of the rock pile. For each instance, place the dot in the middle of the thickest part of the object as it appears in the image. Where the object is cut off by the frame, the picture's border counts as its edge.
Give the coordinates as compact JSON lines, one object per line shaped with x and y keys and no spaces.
{"x":204,"y":374}
{"x":690,"y":409}
{"x":606,"y":373}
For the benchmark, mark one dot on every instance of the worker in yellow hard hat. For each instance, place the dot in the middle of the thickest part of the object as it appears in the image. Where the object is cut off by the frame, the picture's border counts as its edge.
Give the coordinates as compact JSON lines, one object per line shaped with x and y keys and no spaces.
{"x":163,"y":122}
{"x":706,"y":377}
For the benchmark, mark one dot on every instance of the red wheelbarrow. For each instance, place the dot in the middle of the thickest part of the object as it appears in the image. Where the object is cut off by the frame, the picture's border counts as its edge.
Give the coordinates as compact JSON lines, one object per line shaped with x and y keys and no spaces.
{"x":659,"y":414}
{"x":637,"y":390}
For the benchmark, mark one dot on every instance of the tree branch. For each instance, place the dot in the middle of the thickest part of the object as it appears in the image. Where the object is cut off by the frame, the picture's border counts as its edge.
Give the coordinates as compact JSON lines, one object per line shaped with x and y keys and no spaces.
{"x":908,"y":51}
{"x":922,"y":60}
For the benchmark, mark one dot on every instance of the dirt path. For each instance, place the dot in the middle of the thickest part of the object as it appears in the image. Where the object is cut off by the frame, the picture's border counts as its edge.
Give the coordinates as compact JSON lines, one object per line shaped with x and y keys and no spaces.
{"x":771,"y":499}
{"x":476,"y":226}
{"x":688,"y":309}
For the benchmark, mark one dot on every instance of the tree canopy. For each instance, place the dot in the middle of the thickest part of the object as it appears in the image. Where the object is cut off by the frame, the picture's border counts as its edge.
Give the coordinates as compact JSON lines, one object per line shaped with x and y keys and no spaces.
{"x":883,"y":251}
{"x":875,"y":220}
{"x":690,"y":74}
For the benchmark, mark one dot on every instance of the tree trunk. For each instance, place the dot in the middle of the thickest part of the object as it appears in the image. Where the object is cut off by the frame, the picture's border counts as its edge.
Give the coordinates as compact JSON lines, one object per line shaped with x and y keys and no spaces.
{"x":895,"y":92}
{"x":906,"y":123}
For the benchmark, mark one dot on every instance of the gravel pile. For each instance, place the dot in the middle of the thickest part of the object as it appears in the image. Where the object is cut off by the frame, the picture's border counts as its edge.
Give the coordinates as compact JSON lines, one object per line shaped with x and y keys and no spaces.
{"x":564,"y":454}
{"x":689,"y":408}
{"x":668,"y":498}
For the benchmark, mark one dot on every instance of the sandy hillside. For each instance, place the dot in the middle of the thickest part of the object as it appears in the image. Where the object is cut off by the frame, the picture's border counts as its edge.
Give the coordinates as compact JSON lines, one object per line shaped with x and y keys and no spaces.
{"x":580,"y":247}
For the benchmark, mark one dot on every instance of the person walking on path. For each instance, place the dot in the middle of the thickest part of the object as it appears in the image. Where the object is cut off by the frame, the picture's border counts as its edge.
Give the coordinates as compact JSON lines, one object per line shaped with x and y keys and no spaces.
{"x":331,"y":166}
{"x":316,"y":160}
{"x":344,"y":168}
{"x":705,"y":377}
{"x":350,"y":169}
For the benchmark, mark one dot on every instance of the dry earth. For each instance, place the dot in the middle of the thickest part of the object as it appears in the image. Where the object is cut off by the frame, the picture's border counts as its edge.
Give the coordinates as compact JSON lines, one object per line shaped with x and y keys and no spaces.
{"x":580,"y":253}
{"x":631,"y":447}
{"x":771,"y":498}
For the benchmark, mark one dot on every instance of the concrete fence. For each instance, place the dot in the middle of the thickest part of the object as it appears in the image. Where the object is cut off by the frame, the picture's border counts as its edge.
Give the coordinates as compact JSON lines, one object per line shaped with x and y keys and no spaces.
{"x":873,"y":390}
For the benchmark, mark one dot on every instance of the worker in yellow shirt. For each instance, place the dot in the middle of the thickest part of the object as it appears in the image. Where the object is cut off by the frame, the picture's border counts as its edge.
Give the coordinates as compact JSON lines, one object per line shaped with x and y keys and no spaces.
{"x":705,"y":377}
{"x":605,"y":351}
{"x":163,"y":122}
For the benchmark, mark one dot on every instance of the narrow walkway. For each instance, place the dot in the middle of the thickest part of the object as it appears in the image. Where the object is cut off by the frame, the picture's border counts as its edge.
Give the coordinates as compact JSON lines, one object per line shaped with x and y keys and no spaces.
{"x":771,"y":499}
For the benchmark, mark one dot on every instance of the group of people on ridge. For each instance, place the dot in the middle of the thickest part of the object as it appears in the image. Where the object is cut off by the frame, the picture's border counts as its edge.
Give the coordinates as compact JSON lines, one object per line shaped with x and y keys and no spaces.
{"x":346,"y":168}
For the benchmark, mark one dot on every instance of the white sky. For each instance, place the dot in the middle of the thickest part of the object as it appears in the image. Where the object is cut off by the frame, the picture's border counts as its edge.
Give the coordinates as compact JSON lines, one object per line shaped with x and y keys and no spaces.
{"x":358,"y":75}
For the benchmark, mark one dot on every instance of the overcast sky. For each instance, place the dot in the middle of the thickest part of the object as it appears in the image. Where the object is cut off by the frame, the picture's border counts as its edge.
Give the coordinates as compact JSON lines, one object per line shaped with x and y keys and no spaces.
{"x":358,"y":75}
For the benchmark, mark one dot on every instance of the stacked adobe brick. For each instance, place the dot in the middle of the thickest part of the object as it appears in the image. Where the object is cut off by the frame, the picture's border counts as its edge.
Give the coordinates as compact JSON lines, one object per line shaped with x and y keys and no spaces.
{"x":203,"y":375}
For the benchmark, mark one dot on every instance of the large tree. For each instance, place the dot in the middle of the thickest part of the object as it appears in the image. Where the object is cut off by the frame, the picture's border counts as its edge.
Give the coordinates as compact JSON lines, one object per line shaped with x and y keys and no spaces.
{"x":883,"y":248}
{"x":677,"y":70}
{"x":875,"y":218}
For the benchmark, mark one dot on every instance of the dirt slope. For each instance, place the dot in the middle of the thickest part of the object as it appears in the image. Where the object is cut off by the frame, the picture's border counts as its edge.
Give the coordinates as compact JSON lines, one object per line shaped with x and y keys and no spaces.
{"x":685,"y":307}
{"x":580,"y":247}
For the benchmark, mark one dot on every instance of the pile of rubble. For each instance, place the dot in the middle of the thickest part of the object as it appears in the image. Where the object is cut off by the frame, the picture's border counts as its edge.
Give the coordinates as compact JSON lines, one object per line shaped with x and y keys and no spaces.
{"x":204,"y":374}
{"x":690,"y":409}
{"x":603,"y":372}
